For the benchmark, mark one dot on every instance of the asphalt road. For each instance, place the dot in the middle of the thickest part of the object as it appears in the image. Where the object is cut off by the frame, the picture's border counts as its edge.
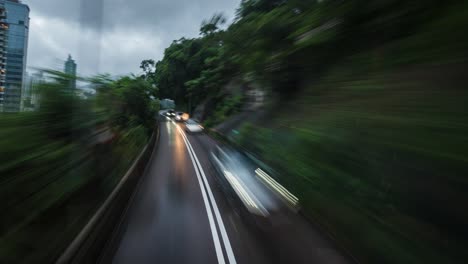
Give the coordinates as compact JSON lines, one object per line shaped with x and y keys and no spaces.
{"x":179,"y":214}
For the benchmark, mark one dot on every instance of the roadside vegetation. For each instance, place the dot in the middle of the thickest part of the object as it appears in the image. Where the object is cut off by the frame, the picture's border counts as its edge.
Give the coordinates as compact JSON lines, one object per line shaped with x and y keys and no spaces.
{"x":59,"y":163}
{"x":366,"y":118}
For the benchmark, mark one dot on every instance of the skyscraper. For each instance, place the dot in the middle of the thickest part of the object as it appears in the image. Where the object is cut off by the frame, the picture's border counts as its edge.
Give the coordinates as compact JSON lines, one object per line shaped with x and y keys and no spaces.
{"x":17,"y":19}
{"x":70,"y":69}
{"x":3,"y":47}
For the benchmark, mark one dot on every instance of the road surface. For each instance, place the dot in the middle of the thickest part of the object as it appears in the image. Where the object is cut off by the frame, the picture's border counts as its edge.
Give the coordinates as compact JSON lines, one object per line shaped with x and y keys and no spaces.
{"x":178,"y":214}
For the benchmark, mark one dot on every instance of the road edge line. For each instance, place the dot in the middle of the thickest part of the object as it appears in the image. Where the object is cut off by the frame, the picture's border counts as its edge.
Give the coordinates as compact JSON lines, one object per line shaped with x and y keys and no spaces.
{"x":211,"y":220}
{"x":225,"y":237}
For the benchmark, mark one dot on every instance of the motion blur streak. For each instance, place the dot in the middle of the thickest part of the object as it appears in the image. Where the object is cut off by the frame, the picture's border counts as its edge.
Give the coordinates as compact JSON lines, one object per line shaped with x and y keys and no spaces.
{"x":244,"y":194}
{"x":241,"y":190}
{"x":60,"y":162}
{"x":289,"y":197}
{"x":352,"y":113}
{"x":180,"y":159}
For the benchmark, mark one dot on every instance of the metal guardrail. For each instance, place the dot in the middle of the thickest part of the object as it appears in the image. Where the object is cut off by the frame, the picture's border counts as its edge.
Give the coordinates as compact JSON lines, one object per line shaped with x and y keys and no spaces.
{"x":88,"y":245}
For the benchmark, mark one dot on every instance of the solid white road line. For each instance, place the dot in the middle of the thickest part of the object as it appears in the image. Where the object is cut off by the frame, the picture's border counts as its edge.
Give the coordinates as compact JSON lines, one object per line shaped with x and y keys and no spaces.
{"x":227,"y":243}
{"x":214,"y":232}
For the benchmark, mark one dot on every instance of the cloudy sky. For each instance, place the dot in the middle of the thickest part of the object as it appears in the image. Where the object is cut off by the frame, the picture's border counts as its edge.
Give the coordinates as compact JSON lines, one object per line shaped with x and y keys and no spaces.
{"x":113,"y":36}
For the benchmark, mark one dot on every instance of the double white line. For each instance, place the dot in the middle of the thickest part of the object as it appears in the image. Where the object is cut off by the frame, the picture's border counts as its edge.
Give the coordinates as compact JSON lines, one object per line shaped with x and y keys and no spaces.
{"x":208,"y":199}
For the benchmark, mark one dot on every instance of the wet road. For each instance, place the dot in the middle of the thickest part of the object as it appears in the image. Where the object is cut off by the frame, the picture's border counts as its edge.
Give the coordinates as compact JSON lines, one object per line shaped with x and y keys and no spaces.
{"x":178,"y":214}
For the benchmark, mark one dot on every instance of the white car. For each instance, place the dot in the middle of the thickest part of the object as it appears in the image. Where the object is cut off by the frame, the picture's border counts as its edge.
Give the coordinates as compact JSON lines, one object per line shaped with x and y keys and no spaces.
{"x":192,"y":126}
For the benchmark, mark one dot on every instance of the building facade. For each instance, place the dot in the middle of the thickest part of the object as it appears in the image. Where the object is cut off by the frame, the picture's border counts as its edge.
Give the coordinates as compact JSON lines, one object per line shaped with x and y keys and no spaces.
{"x":17,"y":19}
{"x":3,"y":47}
{"x":70,"y":69}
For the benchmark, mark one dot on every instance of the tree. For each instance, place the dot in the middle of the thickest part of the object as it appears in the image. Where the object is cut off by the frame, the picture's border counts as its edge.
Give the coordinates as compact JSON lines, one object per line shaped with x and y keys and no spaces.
{"x":148,"y":67}
{"x":248,"y":7}
{"x":211,"y":26}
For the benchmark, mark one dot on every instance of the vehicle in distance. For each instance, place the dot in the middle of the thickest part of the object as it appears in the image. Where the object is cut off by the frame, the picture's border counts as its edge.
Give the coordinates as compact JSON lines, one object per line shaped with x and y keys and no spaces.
{"x":170,"y":113}
{"x":193,"y":126}
{"x":181,"y":117}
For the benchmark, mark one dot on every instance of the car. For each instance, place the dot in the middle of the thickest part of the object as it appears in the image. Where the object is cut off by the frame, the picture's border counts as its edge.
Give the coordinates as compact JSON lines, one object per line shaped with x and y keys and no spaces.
{"x":192,"y":126}
{"x":170,"y":113}
{"x":178,"y":117}
{"x":243,"y":190}
{"x":181,"y":117}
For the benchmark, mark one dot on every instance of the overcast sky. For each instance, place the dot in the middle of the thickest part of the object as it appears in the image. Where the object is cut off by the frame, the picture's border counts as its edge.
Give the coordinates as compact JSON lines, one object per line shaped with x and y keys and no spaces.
{"x":113,"y":36}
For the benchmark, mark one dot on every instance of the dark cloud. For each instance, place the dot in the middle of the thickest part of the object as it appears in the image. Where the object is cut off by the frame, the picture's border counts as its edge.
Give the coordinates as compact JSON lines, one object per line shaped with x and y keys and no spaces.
{"x":92,"y":14}
{"x":114,"y":35}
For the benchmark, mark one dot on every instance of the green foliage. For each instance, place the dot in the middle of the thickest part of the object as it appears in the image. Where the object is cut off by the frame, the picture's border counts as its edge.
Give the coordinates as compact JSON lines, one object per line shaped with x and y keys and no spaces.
{"x":371,"y":161}
{"x":256,"y":7}
{"x":59,"y":163}
{"x":273,"y":40}
{"x":182,"y":62}
{"x":61,"y":111}
{"x":211,"y":26}
{"x":128,"y":101}
{"x":181,"y":65}
{"x":148,"y":67}
{"x":375,"y":149}
{"x":225,"y":107}
{"x":193,"y":69}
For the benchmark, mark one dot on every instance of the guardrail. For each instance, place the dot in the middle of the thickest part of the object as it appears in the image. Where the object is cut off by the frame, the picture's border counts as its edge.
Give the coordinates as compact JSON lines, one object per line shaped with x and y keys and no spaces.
{"x":88,"y":245}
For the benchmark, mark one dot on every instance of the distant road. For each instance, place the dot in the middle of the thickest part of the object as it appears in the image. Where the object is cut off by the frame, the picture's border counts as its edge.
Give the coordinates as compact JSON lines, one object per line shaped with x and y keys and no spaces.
{"x":179,"y":215}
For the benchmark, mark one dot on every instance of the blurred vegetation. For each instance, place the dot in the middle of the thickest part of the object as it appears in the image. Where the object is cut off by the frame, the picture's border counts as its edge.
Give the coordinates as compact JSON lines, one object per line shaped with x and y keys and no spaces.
{"x":226,"y":107}
{"x":367,"y":113}
{"x":59,"y":163}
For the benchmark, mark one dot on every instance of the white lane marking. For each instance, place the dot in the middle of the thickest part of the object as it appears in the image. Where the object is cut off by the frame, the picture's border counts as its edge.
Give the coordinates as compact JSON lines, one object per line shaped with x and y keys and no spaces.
{"x":214,"y":232}
{"x":227,"y":243}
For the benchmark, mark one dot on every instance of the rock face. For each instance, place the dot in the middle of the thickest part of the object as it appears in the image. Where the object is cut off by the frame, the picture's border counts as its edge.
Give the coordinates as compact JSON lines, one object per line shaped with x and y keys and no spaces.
{"x":206,"y":107}
{"x":252,"y":109}
{"x":254,"y":99}
{"x":253,"y":93}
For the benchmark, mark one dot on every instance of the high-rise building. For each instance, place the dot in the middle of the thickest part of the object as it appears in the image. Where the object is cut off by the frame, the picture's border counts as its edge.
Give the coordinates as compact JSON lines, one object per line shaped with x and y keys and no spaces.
{"x":17,"y":19}
{"x":3,"y":47}
{"x":70,"y":69}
